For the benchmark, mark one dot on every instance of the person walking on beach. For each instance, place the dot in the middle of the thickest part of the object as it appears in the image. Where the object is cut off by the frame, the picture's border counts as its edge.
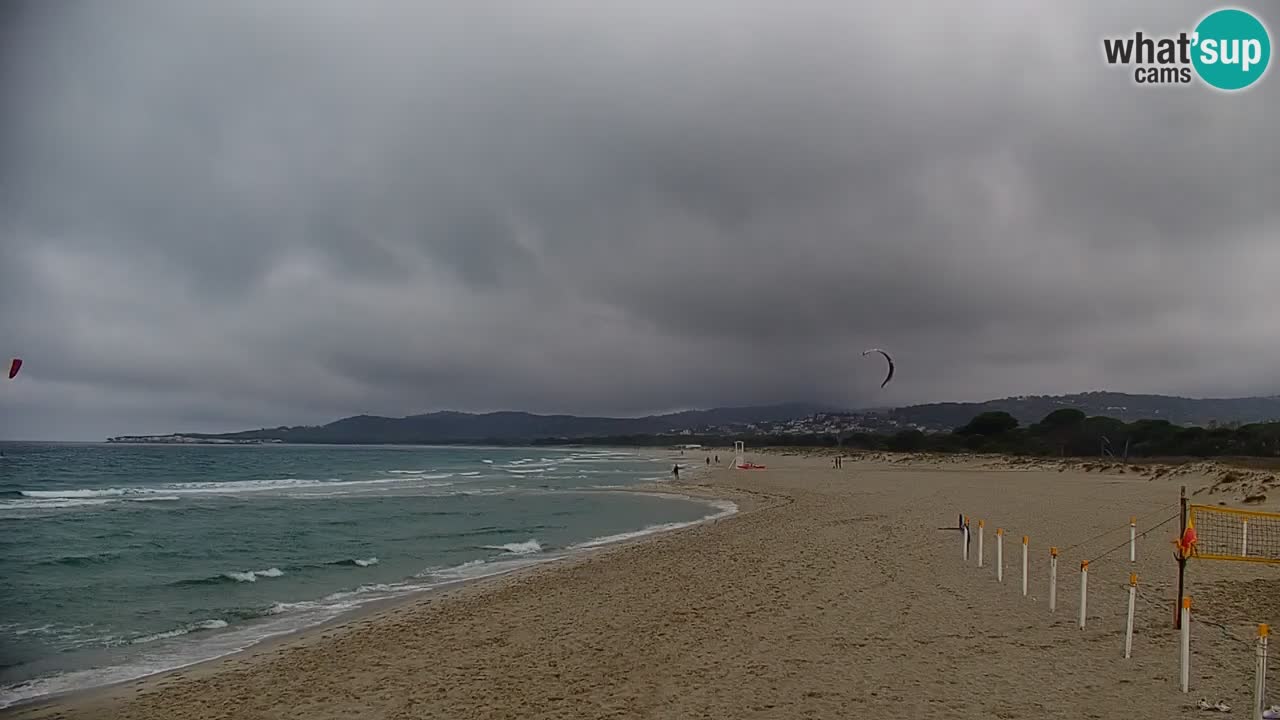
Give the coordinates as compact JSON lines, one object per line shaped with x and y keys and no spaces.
{"x":675,"y":471}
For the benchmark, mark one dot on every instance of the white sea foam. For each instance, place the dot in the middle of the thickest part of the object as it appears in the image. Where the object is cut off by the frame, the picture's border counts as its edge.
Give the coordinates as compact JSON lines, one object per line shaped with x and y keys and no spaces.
{"x":177,"y":632}
{"x":455,"y":571}
{"x":172,"y":491}
{"x":38,"y":630}
{"x":172,"y":650}
{"x":253,"y":575}
{"x":53,"y":503}
{"x":106,"y":492}
{"x":66,"y":637}
{"x":531,"y":463}
{"x":724,"y":508}
{"x":366,"y":562}
{"x":175,"y":650}
{"x":164,"y":654}
{"x":518,"y":548}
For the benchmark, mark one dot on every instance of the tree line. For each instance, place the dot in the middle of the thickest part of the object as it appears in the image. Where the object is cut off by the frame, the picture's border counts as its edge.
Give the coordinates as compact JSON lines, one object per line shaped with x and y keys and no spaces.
{"x":1066,"y":432}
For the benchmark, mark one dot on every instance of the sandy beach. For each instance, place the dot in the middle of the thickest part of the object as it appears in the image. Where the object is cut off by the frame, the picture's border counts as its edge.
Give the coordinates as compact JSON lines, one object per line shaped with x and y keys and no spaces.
{"x":833,"y":594}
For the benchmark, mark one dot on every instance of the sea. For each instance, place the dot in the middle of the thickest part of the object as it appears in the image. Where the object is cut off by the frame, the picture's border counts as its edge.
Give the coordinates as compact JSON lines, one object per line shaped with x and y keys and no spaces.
{"x":120,"y":561}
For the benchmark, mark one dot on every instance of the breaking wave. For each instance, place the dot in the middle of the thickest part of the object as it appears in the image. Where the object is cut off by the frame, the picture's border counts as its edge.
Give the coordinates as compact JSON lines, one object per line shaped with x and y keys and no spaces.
{"x":517,"y":548}
{"x":177,"y":632}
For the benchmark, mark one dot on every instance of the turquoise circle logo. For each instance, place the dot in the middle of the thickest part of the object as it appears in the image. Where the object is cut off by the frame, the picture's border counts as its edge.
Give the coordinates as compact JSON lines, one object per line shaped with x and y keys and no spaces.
{"x":1233,"y":49}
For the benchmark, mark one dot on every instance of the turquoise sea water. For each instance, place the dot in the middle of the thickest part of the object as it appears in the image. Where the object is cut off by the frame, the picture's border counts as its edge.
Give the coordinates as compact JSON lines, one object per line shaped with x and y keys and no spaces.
{"x":119,"y":561}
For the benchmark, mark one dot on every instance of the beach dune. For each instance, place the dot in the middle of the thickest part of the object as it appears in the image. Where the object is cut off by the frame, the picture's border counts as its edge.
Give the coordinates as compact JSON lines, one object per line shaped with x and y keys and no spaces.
{"x":834,"y":594}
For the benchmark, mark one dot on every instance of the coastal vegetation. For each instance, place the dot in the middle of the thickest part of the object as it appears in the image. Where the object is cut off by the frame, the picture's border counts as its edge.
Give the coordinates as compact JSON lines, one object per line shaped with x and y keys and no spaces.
{"x":1066,"y":432}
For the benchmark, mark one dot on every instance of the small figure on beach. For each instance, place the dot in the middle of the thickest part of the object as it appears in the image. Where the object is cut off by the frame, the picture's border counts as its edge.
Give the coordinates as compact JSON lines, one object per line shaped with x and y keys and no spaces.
{"x":675,"y":471}
{"x":708,"y":460}
{"x":717,"y":459}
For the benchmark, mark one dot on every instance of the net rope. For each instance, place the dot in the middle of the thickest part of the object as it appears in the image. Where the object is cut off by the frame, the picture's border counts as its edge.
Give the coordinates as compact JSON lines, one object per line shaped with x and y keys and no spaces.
{"x":1119,"y":528}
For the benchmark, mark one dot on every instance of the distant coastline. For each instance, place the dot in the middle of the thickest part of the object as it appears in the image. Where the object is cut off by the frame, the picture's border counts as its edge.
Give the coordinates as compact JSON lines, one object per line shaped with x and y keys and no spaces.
{"x":785,"y":424}
{"x":187,"y":440}
{"x":1087,"y":424}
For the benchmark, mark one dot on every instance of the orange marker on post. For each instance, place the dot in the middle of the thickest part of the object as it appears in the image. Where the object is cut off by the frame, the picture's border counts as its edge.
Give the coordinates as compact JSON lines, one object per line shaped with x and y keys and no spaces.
{"x":981,"y":525}
{"x":1128,"y":628}
{"x":1260,"y":679}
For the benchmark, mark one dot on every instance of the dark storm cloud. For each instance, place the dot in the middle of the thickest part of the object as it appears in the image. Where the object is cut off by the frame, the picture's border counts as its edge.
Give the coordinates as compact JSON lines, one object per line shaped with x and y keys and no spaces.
{"x":220,"y":215}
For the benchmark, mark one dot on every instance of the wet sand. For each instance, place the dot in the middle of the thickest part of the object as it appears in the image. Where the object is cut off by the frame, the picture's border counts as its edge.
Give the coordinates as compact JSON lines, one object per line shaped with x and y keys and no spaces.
{"x":834,"y":594}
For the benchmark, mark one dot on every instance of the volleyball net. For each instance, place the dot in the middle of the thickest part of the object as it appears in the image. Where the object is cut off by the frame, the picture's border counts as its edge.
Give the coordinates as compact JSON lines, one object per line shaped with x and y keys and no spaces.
{"x":1223,"y":533}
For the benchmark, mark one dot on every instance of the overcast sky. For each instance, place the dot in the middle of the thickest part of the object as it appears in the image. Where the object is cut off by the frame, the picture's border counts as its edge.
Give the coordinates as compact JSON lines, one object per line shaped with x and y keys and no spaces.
{"x":224,"y":215}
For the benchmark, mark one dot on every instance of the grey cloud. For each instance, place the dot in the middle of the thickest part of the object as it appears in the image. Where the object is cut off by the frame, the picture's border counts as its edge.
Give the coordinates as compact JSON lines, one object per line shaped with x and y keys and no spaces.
{"x":235,"y":214}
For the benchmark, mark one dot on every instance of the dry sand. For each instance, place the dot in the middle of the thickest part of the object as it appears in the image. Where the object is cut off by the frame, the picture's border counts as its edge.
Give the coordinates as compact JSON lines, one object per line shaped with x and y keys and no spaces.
{"x":833,"y":595}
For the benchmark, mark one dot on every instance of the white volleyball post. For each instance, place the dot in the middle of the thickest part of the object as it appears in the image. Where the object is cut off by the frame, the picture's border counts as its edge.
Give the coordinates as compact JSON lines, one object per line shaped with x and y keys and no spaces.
{"x":1186,"y":643}
{"x":981,"y":524}
{"x":1133,"y":539}
{"x":739,"y":449}
{"x":1053,"y":579}
{"x":1000,"y":555}
{"x":1244,"y":539}
{"x":1084,"y":589}
{"x":1260,"y":679}
{"x":1024,"y":566}
{"x":1128,"y":628}
{"x":964,"y":540}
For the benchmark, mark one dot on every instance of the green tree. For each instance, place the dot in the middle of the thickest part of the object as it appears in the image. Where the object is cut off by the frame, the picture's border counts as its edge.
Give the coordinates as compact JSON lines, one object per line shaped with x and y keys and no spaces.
{"x":1058,"y":431}
{"x":989,"y":423}
{"x":1061,"y":419}
{"x":910,"y":440}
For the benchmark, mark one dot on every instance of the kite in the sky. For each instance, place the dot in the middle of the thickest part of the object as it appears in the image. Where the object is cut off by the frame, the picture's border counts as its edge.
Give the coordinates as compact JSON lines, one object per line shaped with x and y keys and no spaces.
{"x":14,"y":366}
{"x":886,"y":357}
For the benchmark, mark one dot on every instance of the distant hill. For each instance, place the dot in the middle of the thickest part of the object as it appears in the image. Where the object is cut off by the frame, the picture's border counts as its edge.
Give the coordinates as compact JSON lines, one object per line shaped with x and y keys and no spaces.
{"x":785,"y":419}
{"x":459,"y":427}
{"x":1121,"y":406}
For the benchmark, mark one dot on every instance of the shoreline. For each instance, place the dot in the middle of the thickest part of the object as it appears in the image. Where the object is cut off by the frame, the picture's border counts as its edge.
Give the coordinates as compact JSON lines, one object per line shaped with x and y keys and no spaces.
{"x":833,"y":593}
{"x":507,"y":570}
